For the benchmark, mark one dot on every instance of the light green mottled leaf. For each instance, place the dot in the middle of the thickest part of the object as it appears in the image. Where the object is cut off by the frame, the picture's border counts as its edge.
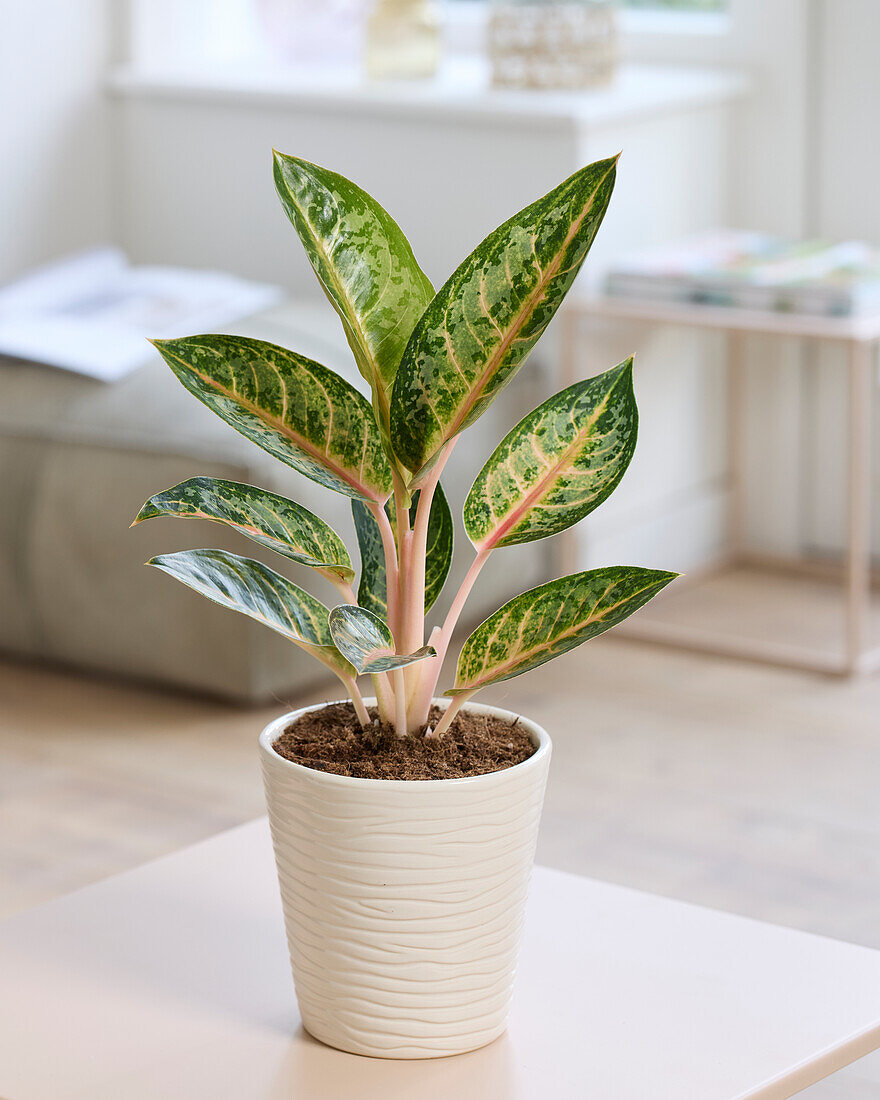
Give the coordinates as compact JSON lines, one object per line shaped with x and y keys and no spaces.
{"x":486,"y":318}
{"x":254,"y":589}
{"x":364,"y":264}
{"x":268,"y":519}
{"x":291,"y":406}
{"x":557,"y":465}
{"x":552,"y":619}
{"x":372,"y":591}
{"x":366,"y":641}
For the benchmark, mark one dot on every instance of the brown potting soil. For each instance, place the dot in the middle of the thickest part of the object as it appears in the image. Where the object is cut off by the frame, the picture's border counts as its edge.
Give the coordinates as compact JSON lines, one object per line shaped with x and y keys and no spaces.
{"x":332,"y":740}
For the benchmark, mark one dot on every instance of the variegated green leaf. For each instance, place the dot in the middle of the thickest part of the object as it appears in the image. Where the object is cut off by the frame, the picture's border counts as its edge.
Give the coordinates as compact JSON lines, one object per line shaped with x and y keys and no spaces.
{"x":268,"y":519}
{"x":366,"y":641}
{"x":552,"y":619}
{"x":438,"y":555}
{"x":254,"y":589}
{"x":364,"y":264}
{"x":488,"y":315}
{"x":557,"y":465}
{"x":372,"y":591}
{"x":290,"y":406}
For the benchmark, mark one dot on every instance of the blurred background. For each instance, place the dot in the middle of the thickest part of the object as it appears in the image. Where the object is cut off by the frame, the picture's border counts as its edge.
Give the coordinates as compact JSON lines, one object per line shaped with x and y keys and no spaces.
{"x":724,"y":747}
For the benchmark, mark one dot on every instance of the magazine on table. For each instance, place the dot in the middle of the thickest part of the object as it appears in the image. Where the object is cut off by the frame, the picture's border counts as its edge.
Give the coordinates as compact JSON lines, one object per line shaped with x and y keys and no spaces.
{"x":756,"y":271}
{"x":93,"y":312}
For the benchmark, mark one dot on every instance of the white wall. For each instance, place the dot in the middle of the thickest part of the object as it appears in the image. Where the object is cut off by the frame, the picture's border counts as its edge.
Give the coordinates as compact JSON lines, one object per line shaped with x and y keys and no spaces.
{"x":54,"y":182}
{"x":195,"y":179}
{"x":848,"y":97}
{"x":769,"y":189}
{"x":846,"y":181}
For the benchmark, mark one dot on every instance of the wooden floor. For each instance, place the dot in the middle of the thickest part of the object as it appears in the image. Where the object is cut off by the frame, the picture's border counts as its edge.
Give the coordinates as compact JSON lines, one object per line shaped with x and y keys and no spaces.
{"x":800,"y":617}
{"x":750,"y":789}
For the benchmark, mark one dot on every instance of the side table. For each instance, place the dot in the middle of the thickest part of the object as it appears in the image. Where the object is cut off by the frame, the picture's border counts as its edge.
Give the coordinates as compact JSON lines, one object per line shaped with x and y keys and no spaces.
{"x":860,"y":336}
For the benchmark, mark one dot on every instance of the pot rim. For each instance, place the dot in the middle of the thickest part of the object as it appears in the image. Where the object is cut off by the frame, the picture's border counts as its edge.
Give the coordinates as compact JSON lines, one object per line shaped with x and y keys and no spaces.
{"x":538,"y":734}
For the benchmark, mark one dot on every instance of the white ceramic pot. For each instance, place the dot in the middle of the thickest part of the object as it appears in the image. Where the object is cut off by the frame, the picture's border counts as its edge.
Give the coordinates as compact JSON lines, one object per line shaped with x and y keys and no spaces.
{"x":404,"y":899}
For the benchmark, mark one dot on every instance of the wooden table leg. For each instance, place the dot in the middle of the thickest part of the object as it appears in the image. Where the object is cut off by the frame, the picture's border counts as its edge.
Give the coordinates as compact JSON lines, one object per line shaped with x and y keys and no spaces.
{"x":858,"y":549}
{"x":736,"y":446}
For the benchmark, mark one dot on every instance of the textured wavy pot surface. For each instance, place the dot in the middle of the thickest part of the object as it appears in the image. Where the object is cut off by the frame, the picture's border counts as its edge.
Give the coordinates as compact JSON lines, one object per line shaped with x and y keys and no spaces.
{"x":404,"y":900}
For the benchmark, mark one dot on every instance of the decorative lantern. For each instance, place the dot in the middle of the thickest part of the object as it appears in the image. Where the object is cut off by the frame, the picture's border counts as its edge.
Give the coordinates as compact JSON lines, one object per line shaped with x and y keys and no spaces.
{"x":564,"y":45}
{"x":403,"y":40}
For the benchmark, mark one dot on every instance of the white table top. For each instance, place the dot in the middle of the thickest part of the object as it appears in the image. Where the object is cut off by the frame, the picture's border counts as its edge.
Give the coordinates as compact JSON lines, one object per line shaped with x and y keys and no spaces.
{"x":861,"y":328}
{"x":172,"y":981}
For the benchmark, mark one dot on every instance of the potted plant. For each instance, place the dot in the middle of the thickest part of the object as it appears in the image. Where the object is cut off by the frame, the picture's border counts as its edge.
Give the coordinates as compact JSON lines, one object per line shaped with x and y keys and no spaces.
{"x":404,"y":825}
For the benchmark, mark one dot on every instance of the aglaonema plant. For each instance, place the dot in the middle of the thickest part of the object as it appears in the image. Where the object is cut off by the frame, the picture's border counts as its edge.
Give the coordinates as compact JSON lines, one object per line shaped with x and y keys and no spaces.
{"x":434,"y":363}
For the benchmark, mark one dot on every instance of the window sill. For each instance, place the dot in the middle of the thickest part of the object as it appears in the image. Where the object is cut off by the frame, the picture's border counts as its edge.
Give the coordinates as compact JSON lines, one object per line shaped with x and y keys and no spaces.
{"x":679,"y":24}
{"x":461,"y":92}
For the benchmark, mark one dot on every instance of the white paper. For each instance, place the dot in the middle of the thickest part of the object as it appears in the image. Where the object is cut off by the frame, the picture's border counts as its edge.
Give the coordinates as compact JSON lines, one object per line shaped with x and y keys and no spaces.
{"x":93,"y":313}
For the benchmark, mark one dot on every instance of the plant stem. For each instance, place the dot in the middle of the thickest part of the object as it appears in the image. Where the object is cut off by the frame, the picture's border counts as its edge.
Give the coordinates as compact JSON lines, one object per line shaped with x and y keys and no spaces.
{"x":401,"y":511}
{"x":417,"y":552}
{"x":413,"y":596}
{"x":446,"y":721}
{"x":344,"y":588}
{"x":391,"y":571}
{"x":457,"y":606}
{"x":419,"y":700}
{"x":357,"y":700}
{"x":384,"y":696}
{"x":399,"y":703}
{"x":405,"y":583}
{"x":440,"y":640}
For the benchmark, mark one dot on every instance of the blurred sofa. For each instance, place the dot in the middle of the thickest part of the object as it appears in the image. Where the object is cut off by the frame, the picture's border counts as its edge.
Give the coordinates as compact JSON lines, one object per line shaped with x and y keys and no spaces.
{"x":79,"y":457}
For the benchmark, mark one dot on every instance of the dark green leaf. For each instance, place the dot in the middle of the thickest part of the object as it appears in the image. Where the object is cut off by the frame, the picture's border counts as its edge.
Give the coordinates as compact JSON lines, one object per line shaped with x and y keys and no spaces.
{"x":290,"y":406}
{"x":438,"y":557}
{"x":552,"y":619}
{"x":364,"y":264}
{"x":557,"y":465}
{"x":372,"y":589}
{"x":486,"y":318}
{"x":265,"y":517}
{"x":254,"y":589}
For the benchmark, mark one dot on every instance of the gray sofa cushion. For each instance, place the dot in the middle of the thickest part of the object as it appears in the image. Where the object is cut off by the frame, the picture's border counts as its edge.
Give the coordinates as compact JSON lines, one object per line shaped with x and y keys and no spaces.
{"x":79,"y":457}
